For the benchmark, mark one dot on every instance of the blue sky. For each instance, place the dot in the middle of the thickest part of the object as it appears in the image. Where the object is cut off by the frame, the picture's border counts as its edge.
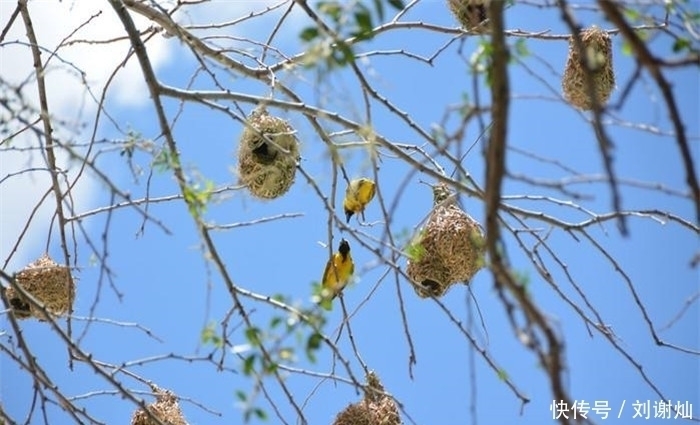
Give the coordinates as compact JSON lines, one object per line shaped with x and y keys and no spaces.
{"x":170,"y":288}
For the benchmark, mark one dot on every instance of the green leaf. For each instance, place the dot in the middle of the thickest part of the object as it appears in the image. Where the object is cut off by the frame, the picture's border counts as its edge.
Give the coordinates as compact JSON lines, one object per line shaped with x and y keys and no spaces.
{"x":252,"y":334}
{"x":415,"y":250}
{"x":343,"y":54}
{"x":249,"y":364}
{"x":269,"y":366}
{"x":379,"y":6}
{"x":363,"y":19}
{"x":162,"y":162}
{"x":313,"y":344}
{"x":260,"y":413}
{"x":308,"y":33}
{"x":397,"y":4}
{"x":632,"y":14}
{"x":626,"y":48}
{"x":521,"y":48}
{"x":209,"y":336}
{"x":275,"y":322}
{"x":681,"y":44}
{"x":241,"y":395}
{"x":197,"y":198}
{"x":332,"y":9}
{"x":502,"y":375}
{"x":326,"y":304}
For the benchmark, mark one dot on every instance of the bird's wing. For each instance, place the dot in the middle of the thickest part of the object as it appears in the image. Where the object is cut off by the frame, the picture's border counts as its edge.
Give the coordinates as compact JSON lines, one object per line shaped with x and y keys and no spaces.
{"x":326,"y":282}
{"x":372,"y":190}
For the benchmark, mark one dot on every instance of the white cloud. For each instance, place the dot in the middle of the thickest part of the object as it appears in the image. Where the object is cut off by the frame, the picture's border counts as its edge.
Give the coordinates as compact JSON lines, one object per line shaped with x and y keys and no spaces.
{"x":68,"y":100}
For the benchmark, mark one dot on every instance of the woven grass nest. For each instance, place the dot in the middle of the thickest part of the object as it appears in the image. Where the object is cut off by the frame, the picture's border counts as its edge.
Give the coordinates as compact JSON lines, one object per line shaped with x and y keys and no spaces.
{"x":448,"y":250}
{"x":165,"y":408}
{"x":374,"y":409}
{"x":268,"y":153}
{"x":48,"y":282}
{"x":471,"y":14}
{"x":598,"y":62}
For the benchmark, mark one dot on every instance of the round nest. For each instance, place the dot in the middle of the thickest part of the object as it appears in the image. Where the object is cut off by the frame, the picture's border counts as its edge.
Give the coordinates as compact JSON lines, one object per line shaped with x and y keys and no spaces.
{"x":598,"y":62}
{"x":267,"y":155}
{"x":49,"y":283}
{"x":471,"y":14}
{"x":165,"y":408}
{"x":375,"y":409}
{"x":448,"y":250}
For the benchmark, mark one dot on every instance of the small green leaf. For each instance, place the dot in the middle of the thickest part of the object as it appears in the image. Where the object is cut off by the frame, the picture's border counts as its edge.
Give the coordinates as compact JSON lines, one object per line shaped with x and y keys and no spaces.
{"x":379,"y":6}
{"x":332,"y":9}
{"x":397,"y":4}
{"x":308,"y":33}
{"x":626,"y":49}
{"x":162,"y":161}
{"x":249,"y":364}
{"x":252,"y":334}
{"x":275,"y":322}
{"x":269,"y":366}
{"x":415,"y":250}
{"x":260,"y":413}
{"x":502,"y":375}
{"x":313,"y":344}
{"x":326,"y":303}
{"x":364,"y":21}
{"x":521,"y":48}
{"x":343,"y":54}
{"x":632,"y":14}
{"x":241,"y":395}
{"x":209,"y":336}
{"x":681,"y":44}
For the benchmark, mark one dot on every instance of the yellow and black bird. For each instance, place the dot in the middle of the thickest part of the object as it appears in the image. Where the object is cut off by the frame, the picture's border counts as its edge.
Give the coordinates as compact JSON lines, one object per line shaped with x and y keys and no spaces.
{"x":358,"y":194}
{"x":338,"y":271}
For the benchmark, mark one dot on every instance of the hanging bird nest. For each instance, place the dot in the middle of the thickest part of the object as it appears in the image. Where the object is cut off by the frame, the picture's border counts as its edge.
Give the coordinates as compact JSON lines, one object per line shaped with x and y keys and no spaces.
{"x":46,"y":281}
{"x":471,"y":14}
{"x":597,"y":62}
{"x":267,"y":155}
{"x":165,"y":408}
{"x":375,"y":408}
{"x":448,"y":250}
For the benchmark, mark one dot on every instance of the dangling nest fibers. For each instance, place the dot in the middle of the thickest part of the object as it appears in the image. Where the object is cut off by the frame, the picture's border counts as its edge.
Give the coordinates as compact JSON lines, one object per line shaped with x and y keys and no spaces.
{"x":448,"y":250}
{"x":470,"y":13}
{"x":165,"y":408}
{"x":49,"y":283}
{"x":598,"y":62}
{"x":374,"y":409}
{"x":267,"y":155}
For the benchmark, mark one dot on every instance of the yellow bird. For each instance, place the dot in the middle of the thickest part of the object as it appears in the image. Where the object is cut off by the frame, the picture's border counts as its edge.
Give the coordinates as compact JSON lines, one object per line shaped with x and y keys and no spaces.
{"x":358,"y":194}
{"x":338,"y":272}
